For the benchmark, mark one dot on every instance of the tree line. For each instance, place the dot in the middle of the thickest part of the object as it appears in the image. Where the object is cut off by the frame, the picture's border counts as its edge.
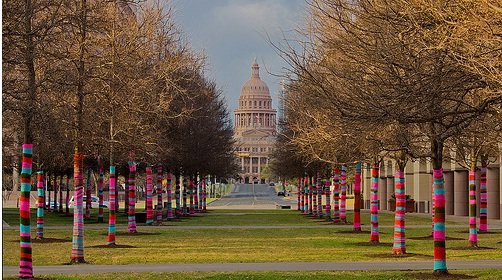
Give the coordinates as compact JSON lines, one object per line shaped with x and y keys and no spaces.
{"x":104,"y":78}
{"x":400,"y":80}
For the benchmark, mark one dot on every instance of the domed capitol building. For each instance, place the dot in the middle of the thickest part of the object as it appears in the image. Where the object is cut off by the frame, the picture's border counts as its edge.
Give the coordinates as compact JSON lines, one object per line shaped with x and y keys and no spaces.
{"x":254,"y":127}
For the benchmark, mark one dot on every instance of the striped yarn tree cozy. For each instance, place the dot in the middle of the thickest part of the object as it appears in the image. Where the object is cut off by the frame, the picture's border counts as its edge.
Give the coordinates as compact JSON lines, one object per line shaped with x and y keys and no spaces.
{"x":159,"y":193}
{"x":77,"y":251}
{"x":40,"y":206}
{"x":439,"y":223}
{"x":357,"y":198}
{"x":343,"y":194}
{"x":25,"y":260}
{"x":336,"y":195}
{"x":169,"y":196}
{"x":399,"y":246}
{"x":149,"y":198}
{"x":112,"y":216}
{"x":483,"y":201}
{"x":131,"y":219}
{"x":374,"y":235}
{"x":101,"y":175}
{"x":473,"y":227}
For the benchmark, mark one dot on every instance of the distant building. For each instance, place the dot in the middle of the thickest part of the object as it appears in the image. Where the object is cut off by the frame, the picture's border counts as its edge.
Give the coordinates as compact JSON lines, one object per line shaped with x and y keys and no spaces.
{"x":254,"y":127}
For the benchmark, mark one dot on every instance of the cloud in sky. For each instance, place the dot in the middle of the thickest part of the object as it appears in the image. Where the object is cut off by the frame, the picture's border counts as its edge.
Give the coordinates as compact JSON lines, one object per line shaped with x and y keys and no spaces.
{"x":233,"y":32}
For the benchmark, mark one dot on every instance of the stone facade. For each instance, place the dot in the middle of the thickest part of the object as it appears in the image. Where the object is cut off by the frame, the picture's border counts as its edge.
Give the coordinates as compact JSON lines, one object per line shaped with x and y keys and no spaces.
{"x":254,"y":127}
{"x":419,"y":186}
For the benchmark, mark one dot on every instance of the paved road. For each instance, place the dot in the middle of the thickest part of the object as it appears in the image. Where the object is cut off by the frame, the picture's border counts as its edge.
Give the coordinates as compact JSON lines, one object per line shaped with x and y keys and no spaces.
{"x":251,"y":196}
{"x":278,"y":266}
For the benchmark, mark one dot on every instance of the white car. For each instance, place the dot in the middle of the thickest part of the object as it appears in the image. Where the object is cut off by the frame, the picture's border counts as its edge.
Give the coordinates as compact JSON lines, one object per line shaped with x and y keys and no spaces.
{"x":94,"y":202}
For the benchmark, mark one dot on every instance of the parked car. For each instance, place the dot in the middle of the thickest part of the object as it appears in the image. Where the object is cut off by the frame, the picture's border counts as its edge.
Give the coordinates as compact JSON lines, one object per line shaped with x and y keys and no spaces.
{"x":94,"y":202}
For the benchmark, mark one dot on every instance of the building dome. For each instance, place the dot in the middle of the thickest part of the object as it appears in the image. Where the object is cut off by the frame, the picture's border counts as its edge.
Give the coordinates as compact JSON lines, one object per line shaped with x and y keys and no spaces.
{"x":255,"y":86}
{"x":254,"y":127}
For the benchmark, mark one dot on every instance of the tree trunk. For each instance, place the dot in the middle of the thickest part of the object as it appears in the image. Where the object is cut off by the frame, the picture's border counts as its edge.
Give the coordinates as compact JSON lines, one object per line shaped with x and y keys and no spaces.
{"x":149,"y":199}
{"x":178,"y":197}
{"x":88,"y":193}
{"x":204,"y":195}
{"x":56,"y":189}
{"x":191,"y":196}
{"x":298,"y":199}
{"x":196,"y":193}
{"x":305,"y":194}
{"x":126,"y":190}
{"x":100,"y":189}
{"x":319,"y":195}
{"x":439,"y":208}
{"x":61,"y":193}
{"x":40,"y":206}
{"x":77,"y":252}
{"x":49,"y":186}
{"x":473,"y":227}
{"x":131,"y":221}
{"x":483,"y":195}
{"x":185,"y":212}
{"x":25,"y":262}
{"x":169,"y":195}
{"x":357,"y":198}
{"x":336,"y":196}
{"x":374,"y":236}
{"x":314,"y":196}
{"x":328,"y":198}
{"x":399,"y":247}
{"x":67,"y":195}
{"x":112,"y":216}
{"x":343,"y":194}
{"x":159,"y":193}
{"x":300,"y":194}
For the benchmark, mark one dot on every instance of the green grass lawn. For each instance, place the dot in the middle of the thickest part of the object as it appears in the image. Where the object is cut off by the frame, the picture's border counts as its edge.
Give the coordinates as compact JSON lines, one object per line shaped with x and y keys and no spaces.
{"x":225,"y":217}
{"x":270,"y":275}
{"x":179,"y":245}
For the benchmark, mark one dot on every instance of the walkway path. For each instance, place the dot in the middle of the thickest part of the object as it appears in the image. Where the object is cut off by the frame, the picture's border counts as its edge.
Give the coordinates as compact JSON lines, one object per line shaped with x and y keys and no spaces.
{"x":230,"y":267}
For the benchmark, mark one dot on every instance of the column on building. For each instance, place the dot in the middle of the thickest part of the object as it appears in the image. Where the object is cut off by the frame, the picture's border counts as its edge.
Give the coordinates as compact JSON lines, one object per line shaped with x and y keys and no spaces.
{"x":242,"y":164}
{"x":409,"y":182}
{"x":422,"y":186}
{"x":259,"y":165}
{"x":382,"y":186}
{"x":494,"y":186}
{"x":389,"y":172}
{"x":449,"y":192}
{"x":448,"y":182}
{"x":251,"y":166}
{"x":461,"y":192}
{"x":366,"y":184}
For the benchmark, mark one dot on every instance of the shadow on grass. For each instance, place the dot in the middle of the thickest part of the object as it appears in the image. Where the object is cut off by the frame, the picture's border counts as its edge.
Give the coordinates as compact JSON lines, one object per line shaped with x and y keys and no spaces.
{"x":470,"y":248}
{"x":394,"y":256}
{"x":50,"y":240}
{"x":380,"y":244}
{"x":45,"y":240}
{"x":125,"y":233}
{"x":480,"y":232}
{"x":430,"y":275}
{"x":430,"y":238}
{"x":35,"y":278}
{"x":349,"y":231}
{"x":489,"y":232}
{"x":118,"y":246}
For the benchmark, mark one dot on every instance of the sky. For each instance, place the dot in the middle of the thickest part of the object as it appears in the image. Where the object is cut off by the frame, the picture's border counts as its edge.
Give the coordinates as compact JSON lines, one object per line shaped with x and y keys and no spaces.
{"x":231,"y":33}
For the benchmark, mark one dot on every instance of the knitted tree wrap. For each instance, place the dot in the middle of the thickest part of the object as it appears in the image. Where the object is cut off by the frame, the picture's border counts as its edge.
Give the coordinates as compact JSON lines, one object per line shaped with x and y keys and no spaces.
{"x":25,"y":261}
